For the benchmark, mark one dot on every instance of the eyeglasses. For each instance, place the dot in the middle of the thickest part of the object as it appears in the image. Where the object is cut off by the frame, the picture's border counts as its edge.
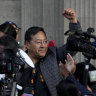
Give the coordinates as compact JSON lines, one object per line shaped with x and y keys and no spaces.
{"x":40,"y":42}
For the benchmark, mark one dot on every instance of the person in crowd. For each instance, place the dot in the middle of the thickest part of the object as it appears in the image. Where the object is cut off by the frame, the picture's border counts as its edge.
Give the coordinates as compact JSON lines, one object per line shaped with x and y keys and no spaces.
{"x":10,"y":28}
{"x":8,"y":50}
{"x":17,"y":29}
{"x":80,"y":75}
{"x":43,"y":79}
{"x":6,"y":28}
{"x":69,"y":88}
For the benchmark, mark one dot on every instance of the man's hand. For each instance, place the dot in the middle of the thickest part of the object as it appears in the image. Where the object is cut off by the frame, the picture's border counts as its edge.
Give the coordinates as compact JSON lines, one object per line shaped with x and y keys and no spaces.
{"x":63,"y":70}
{"x":70,"y":14}
{"x":68,"y":67}
{"x":70,"y":64}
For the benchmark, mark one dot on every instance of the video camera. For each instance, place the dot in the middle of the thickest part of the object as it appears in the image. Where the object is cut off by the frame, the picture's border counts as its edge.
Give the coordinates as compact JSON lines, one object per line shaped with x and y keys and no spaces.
{"x":84,"y":42}
{"x":10,"y":65}
{"x":81,"y":41}
{"x":12,"y":58}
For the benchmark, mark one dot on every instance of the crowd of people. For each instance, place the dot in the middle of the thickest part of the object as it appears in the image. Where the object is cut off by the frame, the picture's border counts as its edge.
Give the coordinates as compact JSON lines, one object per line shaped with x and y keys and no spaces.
{"x":55,"y":69}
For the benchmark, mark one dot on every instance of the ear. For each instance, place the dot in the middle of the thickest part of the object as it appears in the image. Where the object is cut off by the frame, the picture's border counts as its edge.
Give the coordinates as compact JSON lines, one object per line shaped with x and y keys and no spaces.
{"x":27,"y":44}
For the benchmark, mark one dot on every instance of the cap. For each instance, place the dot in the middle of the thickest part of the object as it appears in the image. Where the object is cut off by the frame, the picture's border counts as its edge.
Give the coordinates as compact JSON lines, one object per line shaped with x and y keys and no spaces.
{"x":12,"y":23}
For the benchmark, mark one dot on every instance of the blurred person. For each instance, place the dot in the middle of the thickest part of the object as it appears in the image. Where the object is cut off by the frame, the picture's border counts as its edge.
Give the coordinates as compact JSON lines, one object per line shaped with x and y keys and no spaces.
{"x":43,"y":79}
{"x":67,"y":88}
{"x":17,"y":29}
{"x":8,"y":29}
{"x":79,"y":75}
{"x":9,"y":43}
{"x":67,"y":71}
{"x":8,"y":50}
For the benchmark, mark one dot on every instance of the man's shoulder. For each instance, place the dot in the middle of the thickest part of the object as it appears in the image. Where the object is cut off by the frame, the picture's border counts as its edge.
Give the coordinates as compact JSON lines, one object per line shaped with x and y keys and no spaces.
{"x":52,"y":49}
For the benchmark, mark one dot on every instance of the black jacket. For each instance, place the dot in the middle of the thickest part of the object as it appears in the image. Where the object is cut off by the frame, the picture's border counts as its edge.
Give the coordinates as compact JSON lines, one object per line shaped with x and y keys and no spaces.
{"x":49,"y":64}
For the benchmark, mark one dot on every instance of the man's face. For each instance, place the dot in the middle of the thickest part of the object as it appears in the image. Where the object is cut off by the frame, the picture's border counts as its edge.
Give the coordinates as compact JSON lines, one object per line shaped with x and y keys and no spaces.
{"x":38,"y":46}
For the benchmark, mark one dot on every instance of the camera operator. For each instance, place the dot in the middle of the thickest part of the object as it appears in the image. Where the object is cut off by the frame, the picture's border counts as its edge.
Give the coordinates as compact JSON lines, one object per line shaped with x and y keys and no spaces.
{"x":84,"y":42}
{"x":10,"y":28}
{"x":8,"y":64}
